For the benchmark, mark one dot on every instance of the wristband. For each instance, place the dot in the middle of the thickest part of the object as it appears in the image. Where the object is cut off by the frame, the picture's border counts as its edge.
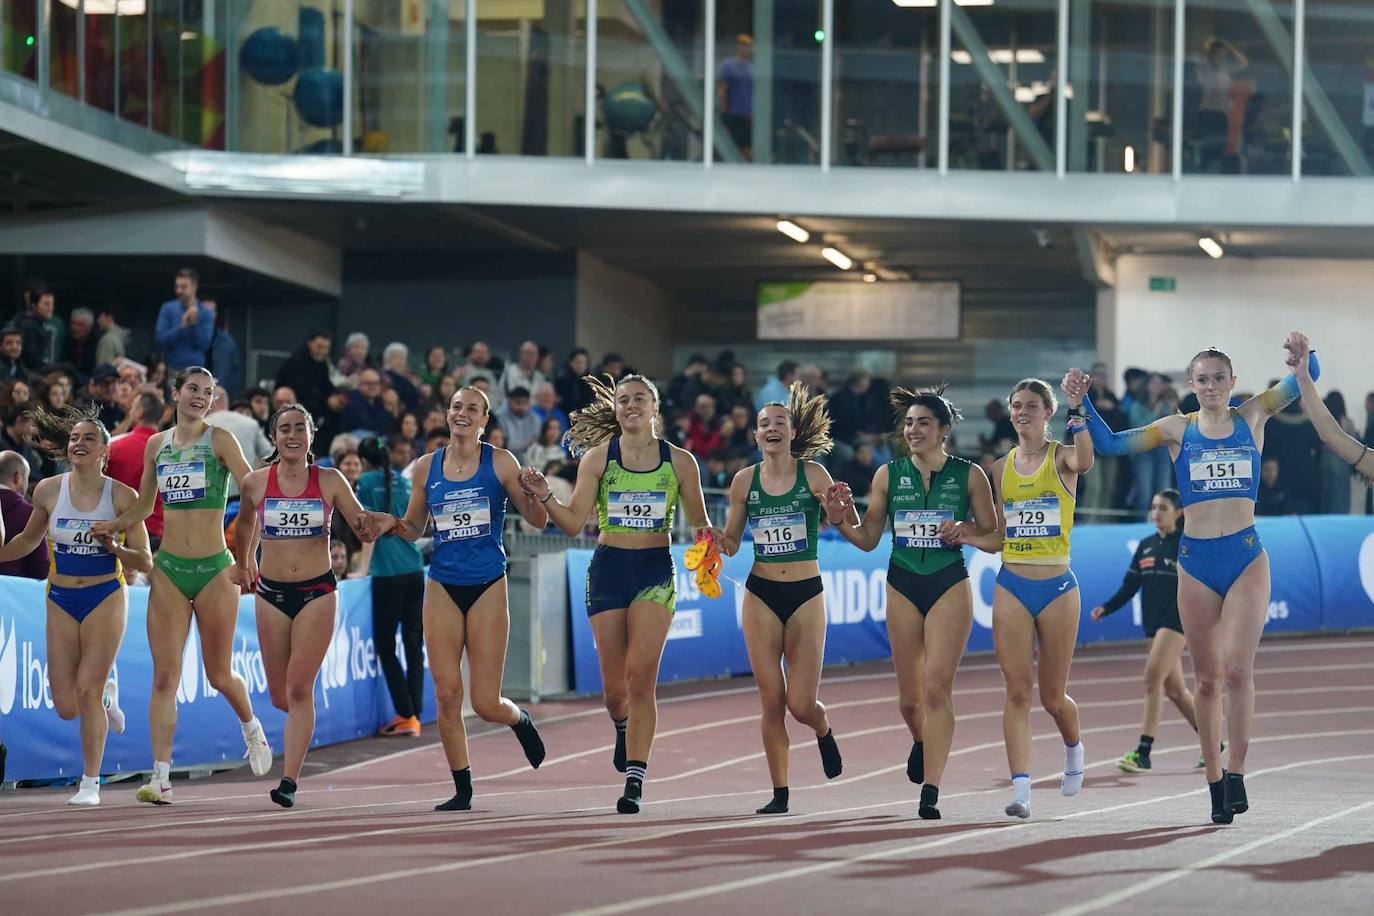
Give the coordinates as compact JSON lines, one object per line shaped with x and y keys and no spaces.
{"x":546,"y":498}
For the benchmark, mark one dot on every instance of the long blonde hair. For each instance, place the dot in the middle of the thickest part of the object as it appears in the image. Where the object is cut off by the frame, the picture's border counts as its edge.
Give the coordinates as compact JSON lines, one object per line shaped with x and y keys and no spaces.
{"x":809,"y":415}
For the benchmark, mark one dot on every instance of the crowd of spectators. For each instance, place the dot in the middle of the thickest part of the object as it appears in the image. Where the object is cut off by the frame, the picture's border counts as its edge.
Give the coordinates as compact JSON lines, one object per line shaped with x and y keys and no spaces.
{"x":358,"y":392}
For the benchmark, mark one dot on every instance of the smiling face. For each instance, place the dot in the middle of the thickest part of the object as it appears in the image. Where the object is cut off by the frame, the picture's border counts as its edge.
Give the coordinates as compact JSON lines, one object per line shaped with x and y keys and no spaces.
{"x":293,"y":434}
{"x":1212,"y":380}
{"x":467,"y":414}
{"x":773,"y":430}
{"x":635,"y":406}
{"x":1030,"y":412}
{"x":87,"y":445}
{"x":922,"y":431}
{"x":194,"y":397}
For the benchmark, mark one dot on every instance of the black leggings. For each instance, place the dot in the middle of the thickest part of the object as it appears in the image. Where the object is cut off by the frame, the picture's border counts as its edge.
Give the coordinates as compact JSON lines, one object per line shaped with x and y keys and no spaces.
{"x":400,"y":600}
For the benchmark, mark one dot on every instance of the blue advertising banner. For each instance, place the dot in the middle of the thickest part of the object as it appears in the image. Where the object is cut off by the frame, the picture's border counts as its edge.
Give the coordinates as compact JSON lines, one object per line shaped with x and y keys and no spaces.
{"x":1322,"y":570}
{"x":351,"y":700}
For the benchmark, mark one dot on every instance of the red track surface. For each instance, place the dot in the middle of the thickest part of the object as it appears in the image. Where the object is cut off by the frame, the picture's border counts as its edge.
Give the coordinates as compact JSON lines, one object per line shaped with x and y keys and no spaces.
{"x":363,"y":837}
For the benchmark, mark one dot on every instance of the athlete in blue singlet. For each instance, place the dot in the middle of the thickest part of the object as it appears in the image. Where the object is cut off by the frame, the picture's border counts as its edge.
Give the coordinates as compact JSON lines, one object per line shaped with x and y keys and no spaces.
{"x":1223,"y":571}
{"x":466,"y":485}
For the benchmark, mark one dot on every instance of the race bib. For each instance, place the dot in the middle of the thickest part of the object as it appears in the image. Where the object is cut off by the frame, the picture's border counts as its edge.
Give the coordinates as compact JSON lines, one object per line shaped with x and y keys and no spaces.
{"x":183,"y":482}
{"x":460,"y":519}
{"x":73,"y":536}
{"x":920,"y":527}
{"x":646,"y":509}
{"x":1032,"y":518}
{"x":779,"y":535}
{"x":293,"y":518}
{"x":1221,"y":470}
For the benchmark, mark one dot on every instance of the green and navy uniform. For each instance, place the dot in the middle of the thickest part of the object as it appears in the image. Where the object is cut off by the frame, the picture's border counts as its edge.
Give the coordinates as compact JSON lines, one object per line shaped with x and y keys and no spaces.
{"x":634,"y":502}
{"x":923,"y":567}
{"x":191,"y":478}
{"x":784,"y":529}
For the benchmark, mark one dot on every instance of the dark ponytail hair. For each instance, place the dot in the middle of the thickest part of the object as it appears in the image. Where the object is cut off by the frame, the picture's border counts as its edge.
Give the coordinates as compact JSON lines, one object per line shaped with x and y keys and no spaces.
{"x":272,"y":431}
{"x":53,"y":428}
{"x":1172,"y":496}
{"x":372,"y":451}
{"x":189,"y":371}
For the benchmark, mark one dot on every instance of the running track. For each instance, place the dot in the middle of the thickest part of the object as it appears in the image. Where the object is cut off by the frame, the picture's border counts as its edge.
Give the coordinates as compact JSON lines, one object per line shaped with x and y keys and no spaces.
{"x":363,"y":837}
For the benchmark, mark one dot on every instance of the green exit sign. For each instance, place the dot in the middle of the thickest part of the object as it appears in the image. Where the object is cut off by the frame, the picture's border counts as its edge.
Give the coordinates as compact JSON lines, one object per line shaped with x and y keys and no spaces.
{"x":1162,"y":284}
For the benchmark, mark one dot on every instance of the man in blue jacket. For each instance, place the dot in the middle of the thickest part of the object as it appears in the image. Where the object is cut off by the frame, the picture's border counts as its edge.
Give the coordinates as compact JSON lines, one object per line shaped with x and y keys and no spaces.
{"x":185,"y":325}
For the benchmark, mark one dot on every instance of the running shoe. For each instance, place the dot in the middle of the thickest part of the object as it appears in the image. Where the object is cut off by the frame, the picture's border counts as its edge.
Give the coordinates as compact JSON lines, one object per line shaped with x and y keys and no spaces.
{"x":154,"y":793}
{"x":113,"y":714}
{"x":88,"y":796}
{"x":258,"y":751}
{"x":401,"y":726}
{"x":1133,"y":762}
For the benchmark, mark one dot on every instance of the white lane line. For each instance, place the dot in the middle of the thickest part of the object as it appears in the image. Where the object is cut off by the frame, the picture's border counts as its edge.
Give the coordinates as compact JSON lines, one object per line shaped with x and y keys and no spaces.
{"x":1142,"y":887}
{"x":711,"y":890}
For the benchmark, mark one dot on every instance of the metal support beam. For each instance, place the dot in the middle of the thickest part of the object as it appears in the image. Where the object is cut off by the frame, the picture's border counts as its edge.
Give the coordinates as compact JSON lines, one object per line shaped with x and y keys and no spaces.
{"x":1067,"y":75}
{"x":996,"y":82}
{"x":677,"y":70}
{"x":1078,"y":32}
{"x":827,"y":81}
{"x":1323,"y":112}
{"x":708,"y":86}
{"x":942,"y":159}
{"x":1300,"y":53}
{"x":762,"y":148}
{"x":1176,"y":122}
{"x":81,"y":50}
{"x":436,"y":76}
{"x":347,"y":77}
{"x":470,"y":78}
{"x":43,"y":21}
{"x":589,"y":102}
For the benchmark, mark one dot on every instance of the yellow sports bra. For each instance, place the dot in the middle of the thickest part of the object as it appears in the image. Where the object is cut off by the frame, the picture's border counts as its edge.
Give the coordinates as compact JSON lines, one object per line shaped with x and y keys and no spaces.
{"x":1039,"y":513}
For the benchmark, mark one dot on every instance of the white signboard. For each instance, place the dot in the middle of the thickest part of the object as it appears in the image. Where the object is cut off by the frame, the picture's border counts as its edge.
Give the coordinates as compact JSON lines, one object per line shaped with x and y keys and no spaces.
{"x":858,"y":311}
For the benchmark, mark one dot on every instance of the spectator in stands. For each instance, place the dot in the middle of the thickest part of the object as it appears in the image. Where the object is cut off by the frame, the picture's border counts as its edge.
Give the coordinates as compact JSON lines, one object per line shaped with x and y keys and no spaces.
{"x":338,"y":558}
{"x":260,"y":403}
{"x":435,"y":420}
{"x":281,"y":396}
{"x":1098,"y":490}
{"x":185,"y":325}
{"x":357,"y":356}
{"x":853,"y":409}
{"x":738,"y":431}
{"x":1291,"y":439}
{"x":1151,"y":471}
{"x":126,"y":454}
{"x":736,"y":389}
{"x":365,"y":413}
{"x":39,"y":344}
{"x":436,"y":367}
{"x":56,"y":391}
{"x":1336,"y":474}
{"x":548,"y":447}
{"x":249,"y":435}
{"x":520,"y":423}
{"x":100,"y":393}
{"x":716,"y":476}
{"x":16,"y":509}
{"x":16,"y":394}
{"x":546,"y":407}
{"x":11,"y":353}
{"x":776,"y":388}
{"x":112,"y":341}
{"x":306,"y":373}
{"x":735,"y":94}
{"x":560,"y":487}
{"x":1003,"y":435}
{"x":858,"y":472}
{"x":1136,"y":381}
{"x":524,"y":372}
{"x":814,"y":378}
{"x":1274,"y":498}
{"x":686,"y":385}
{"x":156,"y":376}
{"x":396,"y":364}
{"x":14,"y":437}
{"x":341,"y":445}
{"x":573,"y":393}
{"x":612,"y":364}
{"x":477,"y":363}
{"x":704,"y":427}
{"x":78,"y":351}
{"x":226,"y":357}
{"x":408,"y":428}
{"x":495,"y":436}
{"x":546,"y":365}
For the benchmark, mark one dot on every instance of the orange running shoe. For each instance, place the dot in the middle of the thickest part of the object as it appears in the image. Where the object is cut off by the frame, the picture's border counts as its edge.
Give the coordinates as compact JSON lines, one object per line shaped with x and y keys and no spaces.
{"x":401,"y":726}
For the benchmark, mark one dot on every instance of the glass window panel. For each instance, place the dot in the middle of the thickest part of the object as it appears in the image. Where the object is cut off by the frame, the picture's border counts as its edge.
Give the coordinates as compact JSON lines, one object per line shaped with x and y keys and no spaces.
{"x":1338,"y":103}
{"x":19,"y":38}
{"x":100,"y":56}
{"x":886,"y":79}
{"x":531,"y":72}
{"x":1121,"y":54}
{"x":1238,"y":87}
{"x":63,"y":64}
{"x":130,"y":76}
{"x":649,"y":61}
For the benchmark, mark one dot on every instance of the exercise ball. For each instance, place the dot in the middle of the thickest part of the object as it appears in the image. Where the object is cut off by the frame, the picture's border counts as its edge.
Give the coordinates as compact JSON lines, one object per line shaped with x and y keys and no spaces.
{"x":269,"y":56}
{"x":319,"y":97}
{"x":628,"y":109}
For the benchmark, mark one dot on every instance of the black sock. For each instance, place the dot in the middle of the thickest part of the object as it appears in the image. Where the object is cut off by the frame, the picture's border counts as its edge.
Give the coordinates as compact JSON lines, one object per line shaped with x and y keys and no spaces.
{"x":1218,"y":792}
{"x":930,"y":799}
{"x":619,"y":758}
{"x":634,"y":787}
{"x":1233,"y":795}
{"x":462,"y":796}
{"x":916,"y":763}
{"x":529,"y":739}
{"x":830,"y":755}
{"x":1146,"y":743}
{"x":285,"y":793}
{"x":779,"y":803}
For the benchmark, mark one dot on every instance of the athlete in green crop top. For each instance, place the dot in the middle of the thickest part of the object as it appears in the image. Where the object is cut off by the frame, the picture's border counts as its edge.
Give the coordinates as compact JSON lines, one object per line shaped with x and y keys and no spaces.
{"x":633,"y":479}
{"x":783,"y":614}
{"x":188,"y":466}
{"x":925,"y":500}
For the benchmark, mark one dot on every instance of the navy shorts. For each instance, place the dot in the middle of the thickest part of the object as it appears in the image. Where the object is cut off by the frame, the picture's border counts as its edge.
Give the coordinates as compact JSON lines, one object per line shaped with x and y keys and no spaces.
{"x":618,"y":577}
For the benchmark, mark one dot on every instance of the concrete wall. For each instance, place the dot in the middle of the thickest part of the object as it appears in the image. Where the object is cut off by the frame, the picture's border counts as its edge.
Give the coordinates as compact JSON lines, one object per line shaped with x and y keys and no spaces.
{"x":621,"y":311}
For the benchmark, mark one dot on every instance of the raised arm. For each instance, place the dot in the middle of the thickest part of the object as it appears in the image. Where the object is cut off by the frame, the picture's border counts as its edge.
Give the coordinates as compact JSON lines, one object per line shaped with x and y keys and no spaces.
{"x":1076,"y":458}
{"x":1352,"y":450}
{"x":1272,"y":400}
{"x":843,"y":514}
{"x":571,"y":518}
{"x":508,"y":472}
{"x":23,"y":543}
{"x":1164,"y":431}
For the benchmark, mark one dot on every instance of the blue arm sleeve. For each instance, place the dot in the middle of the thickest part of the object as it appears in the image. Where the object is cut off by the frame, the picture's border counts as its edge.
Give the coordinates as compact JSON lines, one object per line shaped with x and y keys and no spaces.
{"x":1287,"y":390}
{"x":1106,"y":442}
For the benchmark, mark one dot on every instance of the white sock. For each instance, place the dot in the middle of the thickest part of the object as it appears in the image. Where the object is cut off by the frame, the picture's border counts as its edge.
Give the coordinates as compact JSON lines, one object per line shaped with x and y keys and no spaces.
{"x":162,"y":771}
{"x":1073,"y":770}
{"x":250,"y":727}
{"x":1020,"y":788}
{"x":90,"y":782}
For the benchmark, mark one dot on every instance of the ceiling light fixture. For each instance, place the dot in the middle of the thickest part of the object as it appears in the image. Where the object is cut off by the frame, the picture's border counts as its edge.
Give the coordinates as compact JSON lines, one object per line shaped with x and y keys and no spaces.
{"x":837,"y":257}
{"x":793,"y":231}
{"x":870,"y":278}
{"x":1211,"y":246}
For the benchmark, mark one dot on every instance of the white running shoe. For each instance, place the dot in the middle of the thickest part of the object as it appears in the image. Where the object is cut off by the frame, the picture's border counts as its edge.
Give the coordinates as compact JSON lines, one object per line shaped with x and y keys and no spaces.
{"x":259,"y":752}
{"x":154,"y":793}
{"x":110,"y":699}
{"x":88,"y":796}
{"x":1018,"y":809}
